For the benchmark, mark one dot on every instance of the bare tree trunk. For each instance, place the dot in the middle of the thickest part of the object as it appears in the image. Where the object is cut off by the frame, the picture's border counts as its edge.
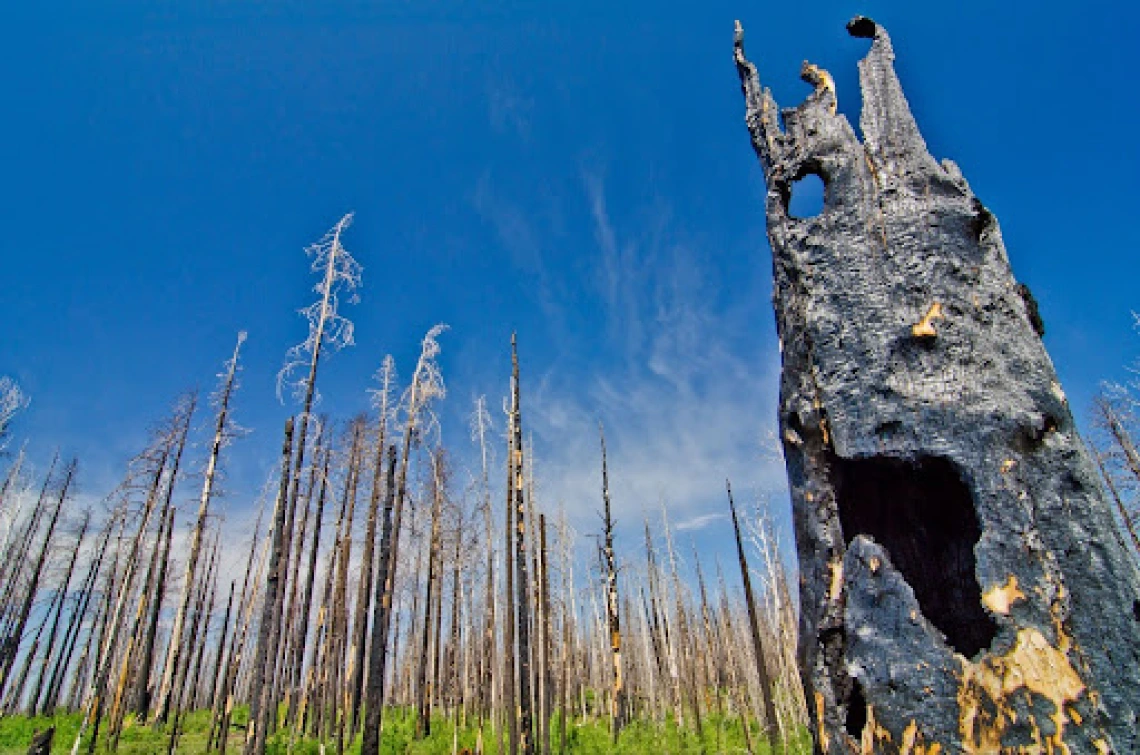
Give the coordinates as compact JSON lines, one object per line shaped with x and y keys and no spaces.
{"x":526,"y":726}
{"x":11,"y":477}
{"x":487,"y":676}
{"x":1108,"y":418}
{"x":455,"y":652}
{"x":754,"y":624}
{"x":340,"y":596}
{"x":374,"y":699}
{"x":219,"y":723}
{"x":33,"y":704}
{"x":14,"y":561}
{"x":663,"y":633}
{"x":546,"y":644}
{"x":617,"y":711}
{"x":364,"y":591}
{"x":75,"y":624}
{"x":1121,"y":510}
{"x":142,"y":693}
{"x":426,"y":385}
{"x":295,"y":630}
{"x":297,"y":680}
{"x":112,"y":620}
{"x":510,"y":621}
{"x":128,"y":663}
{"x":129,"y":657}
{"x":682,"y":650}
{"x":213,"y":689}
{"x":200,"y":617}
{"x":423,"y":686}
{"x":175,"y":645}
{"x":264,"y":656}
{"x":12,"y":642}
{"x":1120,"y":435}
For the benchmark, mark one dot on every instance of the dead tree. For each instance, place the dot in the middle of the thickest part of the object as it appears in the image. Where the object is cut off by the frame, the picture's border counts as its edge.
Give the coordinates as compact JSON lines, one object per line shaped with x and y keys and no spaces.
{"x":219,"y":720}
{"x":510,"y":673}
{"x":427,"y":385}
{"x":425,"y":687}
{"x":13,"y":636}
{"x":762,"y":674}
{"x":75,"y":624}
{"x":15,"y":558}
{"x":522,"y":580}
{"x":486,"y":689}
{"x":963,"y":584}
{"x":613,"y":618}
{"x":375,"y":691}
{"x":546,"y":630}
{"x":33,"y":705}
{"x":267,"y":634}
{"x":118,"y":591}
{"x":364,"y":591}
{"x":221,"y":433}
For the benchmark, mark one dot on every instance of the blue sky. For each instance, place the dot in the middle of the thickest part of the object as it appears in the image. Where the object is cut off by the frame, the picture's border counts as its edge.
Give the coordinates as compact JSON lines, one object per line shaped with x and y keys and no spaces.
{"x":580,"y":174}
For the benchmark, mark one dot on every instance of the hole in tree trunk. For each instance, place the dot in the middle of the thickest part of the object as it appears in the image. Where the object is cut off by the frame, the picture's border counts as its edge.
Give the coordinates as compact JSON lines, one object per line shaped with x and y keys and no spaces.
{"x":805,"y":199}
{"x":922,"y":513}
{"x":856,"y":717}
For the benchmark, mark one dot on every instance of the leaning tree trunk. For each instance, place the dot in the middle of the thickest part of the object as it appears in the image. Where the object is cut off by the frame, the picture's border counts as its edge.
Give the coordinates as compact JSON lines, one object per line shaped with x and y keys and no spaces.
{"x":173,"y":659}
{"x":766,"y":690}
{"x":963,"y":584}
{"x":142,"y":692}
{"x":12,"y":641}
{"x":265,"y":655}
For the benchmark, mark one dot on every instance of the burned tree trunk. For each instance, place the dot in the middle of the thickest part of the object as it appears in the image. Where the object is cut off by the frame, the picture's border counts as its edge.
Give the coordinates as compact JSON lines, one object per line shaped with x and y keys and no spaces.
{"x":269,"y":627}
{"x":962,"y":581}
{"x":510,"y":652}
{"x":522,"y":580}
{"x":33,"y":705}
{"x":613,"y":618}
{"x":425,"y":687}
{"x":770,"y":721}
{"x":377,"y":659}
{"x":12,"y":639}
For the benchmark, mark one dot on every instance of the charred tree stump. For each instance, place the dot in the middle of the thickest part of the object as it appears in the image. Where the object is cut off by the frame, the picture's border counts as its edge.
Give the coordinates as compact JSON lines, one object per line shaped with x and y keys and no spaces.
{"x":41,"y":742}
{"x":964,"y":588}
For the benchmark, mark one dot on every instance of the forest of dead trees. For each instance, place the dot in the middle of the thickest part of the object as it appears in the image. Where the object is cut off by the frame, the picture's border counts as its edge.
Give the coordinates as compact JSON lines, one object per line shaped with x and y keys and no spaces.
{"x":384,"y":583}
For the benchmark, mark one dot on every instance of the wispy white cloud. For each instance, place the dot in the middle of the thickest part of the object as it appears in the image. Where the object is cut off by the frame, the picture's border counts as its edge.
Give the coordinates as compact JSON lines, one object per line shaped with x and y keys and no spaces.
{"x":688,"y":399}
{"x":698,"y":522}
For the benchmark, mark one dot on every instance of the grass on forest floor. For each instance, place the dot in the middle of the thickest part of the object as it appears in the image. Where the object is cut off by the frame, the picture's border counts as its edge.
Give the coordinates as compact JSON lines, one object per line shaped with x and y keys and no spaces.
{"x":582,"y":738}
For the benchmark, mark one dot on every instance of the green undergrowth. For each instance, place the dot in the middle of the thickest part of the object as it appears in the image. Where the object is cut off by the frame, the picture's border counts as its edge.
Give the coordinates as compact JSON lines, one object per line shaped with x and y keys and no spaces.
{"x":583,"y":737}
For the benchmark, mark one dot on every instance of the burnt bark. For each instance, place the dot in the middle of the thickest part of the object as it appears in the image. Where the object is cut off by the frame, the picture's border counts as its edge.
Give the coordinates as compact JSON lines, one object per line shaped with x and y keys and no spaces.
{"x":12,"y":639}
{"x":770,"y":720}
{"x":963,"y":584}
{"x":142,"y":692}
{"x":613,"y":617}
{"x":522,"y":584}
{"x":364,"y":588}
{"x":377,"y":660}
{"x":265,"y":655}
